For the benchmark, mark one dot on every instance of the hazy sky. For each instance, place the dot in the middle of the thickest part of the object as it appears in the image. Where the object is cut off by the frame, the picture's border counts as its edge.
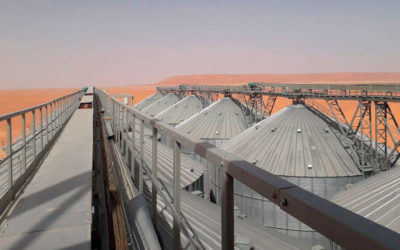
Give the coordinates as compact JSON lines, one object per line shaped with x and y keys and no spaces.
{"x":71,"y":43}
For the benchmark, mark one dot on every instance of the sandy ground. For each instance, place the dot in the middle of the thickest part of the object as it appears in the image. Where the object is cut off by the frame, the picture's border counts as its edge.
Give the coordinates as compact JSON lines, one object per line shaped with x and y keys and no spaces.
{"x":340,"y":78}
{"x":14,"y":100}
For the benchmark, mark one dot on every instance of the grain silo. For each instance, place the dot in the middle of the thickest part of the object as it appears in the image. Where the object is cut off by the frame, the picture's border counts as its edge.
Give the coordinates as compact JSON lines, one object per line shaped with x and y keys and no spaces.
{"x":161,"y":104}
{"x":299,"y":146}
{"x":149,"y":100}
{"x":376,"y":198}
{"x":182,"y":110}
{"x":217,"y":123}
{"x":179,"y":112}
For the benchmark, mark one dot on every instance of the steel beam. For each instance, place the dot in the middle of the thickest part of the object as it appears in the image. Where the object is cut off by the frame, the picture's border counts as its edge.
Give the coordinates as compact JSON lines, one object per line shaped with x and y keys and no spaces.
{"x":227,"y":211}
{"x":154,"y":172}
{"x":177,"y":194}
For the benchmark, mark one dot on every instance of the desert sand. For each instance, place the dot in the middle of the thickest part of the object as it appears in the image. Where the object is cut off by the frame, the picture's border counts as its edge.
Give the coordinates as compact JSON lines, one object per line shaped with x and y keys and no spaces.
{"x":17,"y":99}
{"x":13,"y":100}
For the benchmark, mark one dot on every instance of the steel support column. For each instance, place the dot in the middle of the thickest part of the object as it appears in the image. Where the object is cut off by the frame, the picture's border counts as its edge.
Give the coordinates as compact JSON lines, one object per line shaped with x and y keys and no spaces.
{"x":154,"y":172}
{"x":177,"y":194}
{"x":227,"y":212}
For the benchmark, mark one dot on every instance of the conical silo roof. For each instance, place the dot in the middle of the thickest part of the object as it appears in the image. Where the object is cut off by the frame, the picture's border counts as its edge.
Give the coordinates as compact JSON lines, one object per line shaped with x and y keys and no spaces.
{"x":182,"y":110}
{"x":160,"y":105}
{"x":223,"y":119}
{"x":376,"y":198}
{"x":294,"y":142}
{"x":149,"y":100}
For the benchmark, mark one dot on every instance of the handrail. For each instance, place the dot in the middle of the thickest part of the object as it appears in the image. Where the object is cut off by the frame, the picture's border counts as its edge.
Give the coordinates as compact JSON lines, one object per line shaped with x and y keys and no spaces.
{"x":32,"y":146}
{"x":342,"y":226}
{"x":22,"y":111}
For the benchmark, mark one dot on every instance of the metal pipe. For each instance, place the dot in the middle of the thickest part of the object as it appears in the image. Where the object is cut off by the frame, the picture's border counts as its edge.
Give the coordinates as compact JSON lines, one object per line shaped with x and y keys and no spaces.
{"x":177,"y":194}
{"x":154,"y":172}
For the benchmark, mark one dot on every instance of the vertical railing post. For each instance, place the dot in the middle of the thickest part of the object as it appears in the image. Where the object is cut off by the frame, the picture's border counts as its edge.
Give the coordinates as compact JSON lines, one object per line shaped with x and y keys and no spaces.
{"x":24,"y":141}
{"x":46,"y":108}
{"x":177,"y":194}
{"x":141,"y":156}
{"x":57,"y":113}
{"x":133,"y":146}
{"x":126,"y":128}
{"x":41,"y":129}
{"x":62,"y":111}
{"x":114,"y":118}
{"x":227,"y":216}
{"x":9,"y":154}
{"x":154,"y":172}
{"x":51,"y":120}
{"x":34,"y":133}
{"x":120,"y":126}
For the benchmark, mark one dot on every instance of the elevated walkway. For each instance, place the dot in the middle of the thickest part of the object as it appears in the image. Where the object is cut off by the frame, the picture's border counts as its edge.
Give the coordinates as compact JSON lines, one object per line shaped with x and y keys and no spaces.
{"x":54,"y":211}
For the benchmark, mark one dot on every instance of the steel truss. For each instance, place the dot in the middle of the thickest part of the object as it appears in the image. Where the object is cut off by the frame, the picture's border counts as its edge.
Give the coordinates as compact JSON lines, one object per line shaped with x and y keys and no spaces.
{"x":356,"y":134}
{"x":257,"y":106}
{"x":386,"y":124}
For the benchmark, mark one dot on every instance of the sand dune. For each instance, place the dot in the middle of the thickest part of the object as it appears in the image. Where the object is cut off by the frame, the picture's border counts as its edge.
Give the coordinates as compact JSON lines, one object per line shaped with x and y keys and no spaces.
{"x":13,"y":100}
{"x":293,"y":78}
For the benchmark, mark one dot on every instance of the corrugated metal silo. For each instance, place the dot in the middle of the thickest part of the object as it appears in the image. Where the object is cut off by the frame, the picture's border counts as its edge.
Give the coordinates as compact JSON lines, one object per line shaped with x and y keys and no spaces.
{"x":179,"y":112}
{"x":161,"y":104}
{"x":217,"y":123}
{"x":149,"y":100}
{"x":299,"y":146}
{"x":182,"y":110}
{"x":376,"y":198}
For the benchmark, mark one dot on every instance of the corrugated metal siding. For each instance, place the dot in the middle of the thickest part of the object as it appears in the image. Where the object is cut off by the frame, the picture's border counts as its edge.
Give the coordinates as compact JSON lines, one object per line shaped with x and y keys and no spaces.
{"x":149,"y":100}
{"x":221,"y":120}
{"x":161,"y":104}
{"x":376,"y":198}
{"x":276,"y":145}
{"x":191,"y":170}
{"x":181,"y":111}
{"x":205,"y":218}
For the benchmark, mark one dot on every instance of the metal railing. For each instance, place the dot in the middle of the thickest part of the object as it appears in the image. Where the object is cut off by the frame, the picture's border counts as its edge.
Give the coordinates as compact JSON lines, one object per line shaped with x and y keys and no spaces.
{"x":23,"y":153}
{"x":342,"y":226}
